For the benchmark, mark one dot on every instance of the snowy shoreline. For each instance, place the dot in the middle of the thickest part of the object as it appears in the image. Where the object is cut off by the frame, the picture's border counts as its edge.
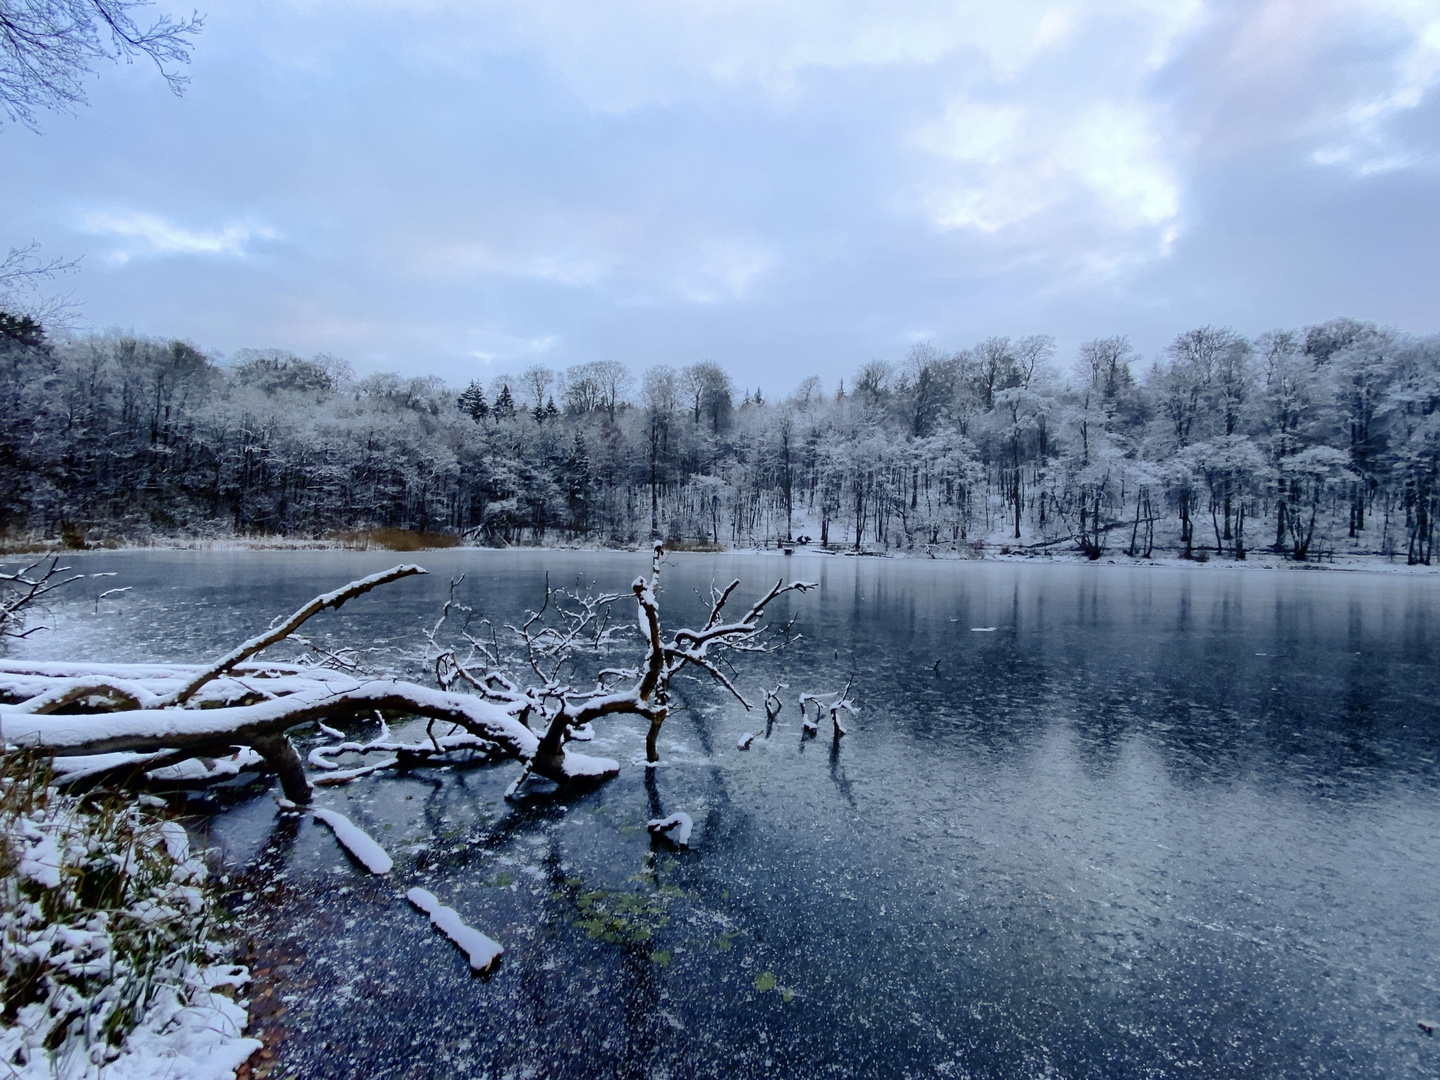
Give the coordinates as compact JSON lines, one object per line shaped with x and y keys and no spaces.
{"x":1005,"y":552}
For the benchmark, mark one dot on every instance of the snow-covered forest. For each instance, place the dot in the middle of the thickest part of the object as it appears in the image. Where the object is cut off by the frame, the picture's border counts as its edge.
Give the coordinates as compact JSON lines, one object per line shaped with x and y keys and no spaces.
{"x":1305,"y":442}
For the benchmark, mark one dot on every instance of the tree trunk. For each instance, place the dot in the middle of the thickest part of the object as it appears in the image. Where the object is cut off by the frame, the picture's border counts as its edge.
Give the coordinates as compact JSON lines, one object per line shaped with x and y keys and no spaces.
{"x":279,"y":753}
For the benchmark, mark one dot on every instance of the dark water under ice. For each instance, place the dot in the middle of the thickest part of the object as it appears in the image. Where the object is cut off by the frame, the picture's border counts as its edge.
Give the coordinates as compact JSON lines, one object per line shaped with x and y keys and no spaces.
{"x":1158,"y":822}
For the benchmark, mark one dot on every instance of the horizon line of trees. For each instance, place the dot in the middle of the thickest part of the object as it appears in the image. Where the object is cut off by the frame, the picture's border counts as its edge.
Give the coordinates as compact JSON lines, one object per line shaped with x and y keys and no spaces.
{"x":1304,"y":442}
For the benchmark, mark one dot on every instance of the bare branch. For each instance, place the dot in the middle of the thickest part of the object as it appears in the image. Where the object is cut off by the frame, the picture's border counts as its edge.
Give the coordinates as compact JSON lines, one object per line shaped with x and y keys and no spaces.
{"x":46,"y":49}
{"x":22,"y":591}
{"x":718,"y":602}
{"x":332,"y":600}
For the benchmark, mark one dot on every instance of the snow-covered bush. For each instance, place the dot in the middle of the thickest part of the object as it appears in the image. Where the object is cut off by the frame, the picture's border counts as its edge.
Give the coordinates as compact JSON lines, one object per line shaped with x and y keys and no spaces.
{"x":107,"y":966}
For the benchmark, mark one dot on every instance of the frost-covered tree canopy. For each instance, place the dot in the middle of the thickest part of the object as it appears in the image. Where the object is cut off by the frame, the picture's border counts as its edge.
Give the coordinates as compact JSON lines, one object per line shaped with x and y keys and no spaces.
{"x":1299,"y":441}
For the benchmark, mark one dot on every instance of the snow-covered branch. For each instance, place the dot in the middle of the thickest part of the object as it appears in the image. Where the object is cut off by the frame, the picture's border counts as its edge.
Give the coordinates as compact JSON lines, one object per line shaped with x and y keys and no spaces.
{"x":332,"y":600}
{"x":146,"y":717}
{"x":836,"y":702}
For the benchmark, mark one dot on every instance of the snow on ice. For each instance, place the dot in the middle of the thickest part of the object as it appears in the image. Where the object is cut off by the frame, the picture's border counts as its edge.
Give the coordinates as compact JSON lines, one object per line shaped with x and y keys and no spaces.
{"x":677,"y":827}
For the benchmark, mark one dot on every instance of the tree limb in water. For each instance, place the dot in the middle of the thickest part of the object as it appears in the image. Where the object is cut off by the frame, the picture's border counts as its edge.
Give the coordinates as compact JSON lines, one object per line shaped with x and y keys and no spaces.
{"x":165,"y":714}
{"x":332,"y":600}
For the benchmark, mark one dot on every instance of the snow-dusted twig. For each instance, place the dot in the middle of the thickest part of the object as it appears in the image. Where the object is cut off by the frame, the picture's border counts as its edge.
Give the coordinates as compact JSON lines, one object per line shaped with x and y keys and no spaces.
{"x":836,"y":702}
{"x":21,"y":591}
{"x":773,"y":704}
{"x":397,"y":753}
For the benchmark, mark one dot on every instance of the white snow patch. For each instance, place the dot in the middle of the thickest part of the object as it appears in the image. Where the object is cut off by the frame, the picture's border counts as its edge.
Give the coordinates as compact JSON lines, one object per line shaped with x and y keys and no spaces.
{"x":80,"y":766}
{"x":188,"y":1029}
{"x":582,"y":765}
{"x":41,"y":859}
{"x":982,"y":629}
{"x":176,"y":840}
{"x":483,"y":951}
{"x":356,"y":841}
{"x":676,"y":826}
{"x":745,"y":740}
{"x":199,"y":1041}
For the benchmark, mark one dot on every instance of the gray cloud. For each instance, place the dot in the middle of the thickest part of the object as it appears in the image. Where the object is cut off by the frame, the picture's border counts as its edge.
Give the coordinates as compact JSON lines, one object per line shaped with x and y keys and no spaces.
{"x":783,"y":188}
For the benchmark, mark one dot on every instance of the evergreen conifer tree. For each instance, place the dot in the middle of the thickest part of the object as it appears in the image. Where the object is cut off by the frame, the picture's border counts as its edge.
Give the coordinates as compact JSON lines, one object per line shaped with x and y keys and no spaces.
{"x":472,"y":402}
{"x":504,"y":403}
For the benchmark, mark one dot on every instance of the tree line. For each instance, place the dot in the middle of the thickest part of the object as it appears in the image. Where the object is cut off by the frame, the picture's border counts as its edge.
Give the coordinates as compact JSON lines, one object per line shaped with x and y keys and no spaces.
{"x":1304,"y":442}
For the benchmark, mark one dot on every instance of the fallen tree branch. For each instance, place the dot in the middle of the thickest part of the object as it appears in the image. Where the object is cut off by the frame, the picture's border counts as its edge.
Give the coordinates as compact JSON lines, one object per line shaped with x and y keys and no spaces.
{"x":149,"y":730}
{"x":244,"y":651}
{"x":120,"y":719}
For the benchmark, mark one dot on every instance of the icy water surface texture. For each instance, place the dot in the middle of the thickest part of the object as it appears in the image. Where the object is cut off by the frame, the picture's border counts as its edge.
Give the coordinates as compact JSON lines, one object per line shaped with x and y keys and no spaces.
{"x":1157,"y":822}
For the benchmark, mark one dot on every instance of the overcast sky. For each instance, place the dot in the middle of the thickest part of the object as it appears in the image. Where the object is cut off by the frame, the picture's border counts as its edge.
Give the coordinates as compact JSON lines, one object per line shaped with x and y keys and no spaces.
{"x":785,"y":187}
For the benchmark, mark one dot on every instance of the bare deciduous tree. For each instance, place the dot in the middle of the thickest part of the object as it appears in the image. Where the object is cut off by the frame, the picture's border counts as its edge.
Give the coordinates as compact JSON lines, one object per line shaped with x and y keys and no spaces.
{"x":47,"y":47}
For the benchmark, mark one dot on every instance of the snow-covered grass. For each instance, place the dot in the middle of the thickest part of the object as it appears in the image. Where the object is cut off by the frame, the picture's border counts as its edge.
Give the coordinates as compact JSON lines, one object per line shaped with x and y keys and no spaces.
{"x":107,"y":966}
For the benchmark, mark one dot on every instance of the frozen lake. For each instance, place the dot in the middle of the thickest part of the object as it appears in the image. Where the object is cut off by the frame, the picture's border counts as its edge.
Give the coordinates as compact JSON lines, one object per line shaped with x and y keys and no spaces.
{"x":1157,"y":822}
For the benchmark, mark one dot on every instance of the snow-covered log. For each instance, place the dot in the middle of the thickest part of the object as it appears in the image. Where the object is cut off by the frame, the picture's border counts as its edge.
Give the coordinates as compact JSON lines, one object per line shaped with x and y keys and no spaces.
{"x":146,"y":718}
{"x":356,"y":841}
{"x":262,"y":726}
{"x":483,"y":951}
